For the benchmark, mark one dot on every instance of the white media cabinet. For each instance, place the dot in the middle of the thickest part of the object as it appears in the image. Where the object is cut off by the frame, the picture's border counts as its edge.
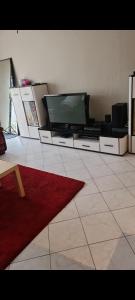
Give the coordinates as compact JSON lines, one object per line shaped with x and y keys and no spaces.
{"x":112,"y":145}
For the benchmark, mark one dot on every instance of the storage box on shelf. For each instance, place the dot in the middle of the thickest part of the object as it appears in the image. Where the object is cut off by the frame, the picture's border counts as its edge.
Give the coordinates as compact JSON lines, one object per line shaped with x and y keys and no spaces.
{"x":112,"y":145}
{"x":29,"y":109}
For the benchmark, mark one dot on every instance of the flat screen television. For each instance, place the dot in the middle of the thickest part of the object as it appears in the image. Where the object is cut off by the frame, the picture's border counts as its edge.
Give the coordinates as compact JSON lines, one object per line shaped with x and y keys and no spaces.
{"x":72,"y":109}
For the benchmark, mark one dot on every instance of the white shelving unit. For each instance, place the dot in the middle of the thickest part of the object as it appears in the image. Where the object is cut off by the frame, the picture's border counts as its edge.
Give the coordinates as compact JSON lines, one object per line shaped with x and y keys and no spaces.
{"x":29,"y":109}
{"x":111,"y":145}
{"x":131,"y":115}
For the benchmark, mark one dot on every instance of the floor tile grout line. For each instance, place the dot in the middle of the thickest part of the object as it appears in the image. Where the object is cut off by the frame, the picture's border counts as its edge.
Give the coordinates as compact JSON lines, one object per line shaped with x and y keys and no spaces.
{"x":115,"y":189}
{"x":116,"y":174}
{"x":101,"y":193}
{"x":107,"y":240}
{"x":124,"y":234}
{"x":117,"y":222}
{"x":108,"y":164}
{"x":70,"y":219}
{"x":49,"y":247}
{"x":128,"y":188}
{"x":129,"y":244}
{"x":88,"y":244}
{"x":119,"y":227}
{"x":86,"y":238}
{"x":115,"y":218}
{"x":72,"y":248}
{"x":91,"y":214}
{"x":30,"y":258}
{"x":129,"y":161}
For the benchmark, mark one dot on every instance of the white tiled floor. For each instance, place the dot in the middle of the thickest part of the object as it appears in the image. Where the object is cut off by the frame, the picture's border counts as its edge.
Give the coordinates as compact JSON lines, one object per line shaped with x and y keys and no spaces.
{"x":96,"y":230}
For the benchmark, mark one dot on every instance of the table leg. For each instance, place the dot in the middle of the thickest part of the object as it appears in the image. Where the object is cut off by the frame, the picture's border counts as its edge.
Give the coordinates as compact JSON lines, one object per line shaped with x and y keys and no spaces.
{"x":19,"y":181}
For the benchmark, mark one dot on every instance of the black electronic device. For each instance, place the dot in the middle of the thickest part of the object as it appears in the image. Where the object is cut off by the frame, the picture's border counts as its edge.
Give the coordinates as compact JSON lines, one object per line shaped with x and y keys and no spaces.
{"x":119,"y":115}
{"x":106,"y":129}
{"x":107,"y":118}
{"x":92,"y":131}
{"x":67,"y":109}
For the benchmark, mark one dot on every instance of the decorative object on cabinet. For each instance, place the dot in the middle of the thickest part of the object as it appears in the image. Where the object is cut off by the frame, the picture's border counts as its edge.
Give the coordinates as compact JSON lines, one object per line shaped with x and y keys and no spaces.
{"x":25,"y":82}
{"x":29,"y":108}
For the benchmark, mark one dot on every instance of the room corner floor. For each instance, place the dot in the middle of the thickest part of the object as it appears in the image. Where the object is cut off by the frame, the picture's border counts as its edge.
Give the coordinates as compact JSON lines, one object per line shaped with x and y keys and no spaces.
{"x":96,"y":230}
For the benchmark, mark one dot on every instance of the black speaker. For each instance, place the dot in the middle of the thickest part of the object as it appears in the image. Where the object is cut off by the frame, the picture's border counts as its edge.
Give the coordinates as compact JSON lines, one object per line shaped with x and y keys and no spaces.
{"x":106,"y":128}
{"x":119,"y":115}
{"x":107,"y":118}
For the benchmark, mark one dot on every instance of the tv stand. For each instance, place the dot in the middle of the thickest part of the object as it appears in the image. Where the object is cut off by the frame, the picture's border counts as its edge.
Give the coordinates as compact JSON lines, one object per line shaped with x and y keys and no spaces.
{"x":91,"y":140}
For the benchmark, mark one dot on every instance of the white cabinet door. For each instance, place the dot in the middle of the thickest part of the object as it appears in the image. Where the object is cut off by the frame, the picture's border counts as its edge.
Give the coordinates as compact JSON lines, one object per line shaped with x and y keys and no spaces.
{"x":86,"y":144}
{"x":45,"y":136}
{"x":19,"y":111}
{"x":26,"y":93}
{"x":67,"y":142}
{"x":109,"y":145}
{"x":33,"y":132}
{"x":133,"y":144}
{"x":38,"y":92}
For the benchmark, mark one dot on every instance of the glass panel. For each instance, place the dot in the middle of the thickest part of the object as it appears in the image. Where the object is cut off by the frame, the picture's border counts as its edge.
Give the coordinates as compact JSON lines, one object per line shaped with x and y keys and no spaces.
{"x":14,"y":127}
{"x":31,"y":113}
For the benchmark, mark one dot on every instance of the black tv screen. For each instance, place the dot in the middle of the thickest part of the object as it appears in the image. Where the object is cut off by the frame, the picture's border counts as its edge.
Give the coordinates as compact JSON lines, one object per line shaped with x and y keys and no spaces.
{"x":67,"y":108}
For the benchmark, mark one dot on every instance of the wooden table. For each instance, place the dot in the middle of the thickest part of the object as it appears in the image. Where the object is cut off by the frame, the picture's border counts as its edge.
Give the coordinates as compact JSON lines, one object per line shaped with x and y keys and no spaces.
{"x":7,"y":168}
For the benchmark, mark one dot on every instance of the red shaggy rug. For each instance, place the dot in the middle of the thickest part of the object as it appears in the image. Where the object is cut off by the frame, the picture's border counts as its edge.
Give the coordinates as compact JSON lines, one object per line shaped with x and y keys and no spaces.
{"x":21,"y":219}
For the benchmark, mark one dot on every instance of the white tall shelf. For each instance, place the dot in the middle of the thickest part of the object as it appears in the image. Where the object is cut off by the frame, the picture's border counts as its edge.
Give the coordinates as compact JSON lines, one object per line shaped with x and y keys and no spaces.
{"x":131,"y":115}
{"x":21,"y":96}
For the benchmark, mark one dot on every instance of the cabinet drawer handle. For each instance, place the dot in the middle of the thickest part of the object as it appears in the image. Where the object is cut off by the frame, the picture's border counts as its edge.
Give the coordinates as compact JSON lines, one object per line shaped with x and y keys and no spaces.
{"x":62,"y":142}
{"x":86,"y":146}
{"x":108,"y":145}
{"x":26,"y":94}
{"x":44,"y":136}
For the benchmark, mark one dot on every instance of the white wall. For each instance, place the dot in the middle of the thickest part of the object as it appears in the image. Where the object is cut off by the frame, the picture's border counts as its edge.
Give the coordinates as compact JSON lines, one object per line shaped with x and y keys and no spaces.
{"x":96,"y":61}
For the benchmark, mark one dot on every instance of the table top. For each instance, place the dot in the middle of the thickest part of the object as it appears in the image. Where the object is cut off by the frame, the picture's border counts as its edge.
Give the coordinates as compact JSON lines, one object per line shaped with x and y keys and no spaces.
{"x":5,"y":166}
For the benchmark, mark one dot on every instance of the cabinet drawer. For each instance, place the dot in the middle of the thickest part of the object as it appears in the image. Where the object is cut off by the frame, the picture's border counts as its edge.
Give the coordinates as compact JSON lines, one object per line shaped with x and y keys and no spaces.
{"x":67,"y":142}
{"x":87,"y":145}
{"x":45,"y":136}
{"x":109,"y":145}
{"x":26,"y":93}
{"x":33,"y":132}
